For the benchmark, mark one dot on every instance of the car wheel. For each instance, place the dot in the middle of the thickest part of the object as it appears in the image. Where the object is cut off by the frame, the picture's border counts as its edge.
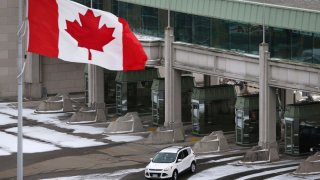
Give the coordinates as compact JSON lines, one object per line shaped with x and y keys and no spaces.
{"x":175,"y":175}
{"x":193,"y":167}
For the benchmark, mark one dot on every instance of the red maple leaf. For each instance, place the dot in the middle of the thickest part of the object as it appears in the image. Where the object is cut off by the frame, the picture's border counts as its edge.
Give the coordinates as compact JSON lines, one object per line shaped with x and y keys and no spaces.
{"x":89,"y":35}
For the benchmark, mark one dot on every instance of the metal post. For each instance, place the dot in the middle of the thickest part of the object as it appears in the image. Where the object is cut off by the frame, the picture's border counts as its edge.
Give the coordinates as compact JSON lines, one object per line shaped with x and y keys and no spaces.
{"x":90,"y":79}
{"x":263,"y":25}
{"x":20,"y":83}
{"x":169,"y":14}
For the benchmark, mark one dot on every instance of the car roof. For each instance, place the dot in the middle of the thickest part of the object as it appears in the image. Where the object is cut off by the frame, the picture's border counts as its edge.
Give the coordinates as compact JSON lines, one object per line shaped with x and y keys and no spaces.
{"x":173,"y":149}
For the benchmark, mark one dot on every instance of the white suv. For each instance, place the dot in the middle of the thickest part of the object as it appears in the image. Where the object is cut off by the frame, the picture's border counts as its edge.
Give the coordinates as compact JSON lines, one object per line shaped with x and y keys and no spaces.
{"x":170,"y":162}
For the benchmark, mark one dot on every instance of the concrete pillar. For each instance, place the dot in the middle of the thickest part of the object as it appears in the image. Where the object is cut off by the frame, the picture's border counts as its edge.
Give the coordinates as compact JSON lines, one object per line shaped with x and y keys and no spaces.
{"x":90,"y":85}
{"x":267,"y":106}
{"x":32,"y":77}
{"x":98,"y":93}
{"x":172,"y":85}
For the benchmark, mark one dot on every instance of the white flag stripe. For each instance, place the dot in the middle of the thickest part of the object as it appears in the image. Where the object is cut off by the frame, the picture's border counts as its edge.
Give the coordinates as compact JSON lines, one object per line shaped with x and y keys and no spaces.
{"x":112,"y":55}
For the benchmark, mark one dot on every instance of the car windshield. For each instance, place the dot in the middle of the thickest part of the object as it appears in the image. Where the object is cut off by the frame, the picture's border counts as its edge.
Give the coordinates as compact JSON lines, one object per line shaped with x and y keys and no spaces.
{"x":163,"y":157}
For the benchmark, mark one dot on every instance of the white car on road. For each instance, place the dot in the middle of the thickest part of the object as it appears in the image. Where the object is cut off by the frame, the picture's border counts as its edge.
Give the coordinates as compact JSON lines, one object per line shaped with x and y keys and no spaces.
{"x":170,"y":162}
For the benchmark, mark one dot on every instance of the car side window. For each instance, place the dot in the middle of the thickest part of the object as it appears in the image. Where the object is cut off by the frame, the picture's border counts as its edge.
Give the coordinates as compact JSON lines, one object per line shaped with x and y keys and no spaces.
{"x":185,"y":152}
{"x":189,"y":151}
{"x":181,"y":155}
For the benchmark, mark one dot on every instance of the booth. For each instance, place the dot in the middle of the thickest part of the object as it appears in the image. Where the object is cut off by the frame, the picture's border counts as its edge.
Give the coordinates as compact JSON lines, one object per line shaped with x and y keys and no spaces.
{"x":158,"y":99}
{"x":302,"y":127}
{"x":213,"y":109}
{"x":247,"y":119}
{"x":133,"y":90}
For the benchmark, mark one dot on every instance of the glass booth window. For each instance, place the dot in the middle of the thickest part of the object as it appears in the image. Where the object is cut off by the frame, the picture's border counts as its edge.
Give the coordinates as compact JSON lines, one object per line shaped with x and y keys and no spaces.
{"x":301,"y":46}
{"x":150,"y":21}
{"x":201,"y":30}
{"x":239,"y":37}
{"x":183,"y":27}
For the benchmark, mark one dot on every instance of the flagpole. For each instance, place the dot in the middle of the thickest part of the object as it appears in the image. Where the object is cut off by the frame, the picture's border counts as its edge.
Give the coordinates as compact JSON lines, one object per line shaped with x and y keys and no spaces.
{"x":20,"y":123}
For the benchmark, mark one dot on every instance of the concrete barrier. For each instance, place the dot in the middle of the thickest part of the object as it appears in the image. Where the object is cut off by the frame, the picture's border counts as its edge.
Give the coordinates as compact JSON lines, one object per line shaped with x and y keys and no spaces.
{"x":214,"y":142}
{"x":165,"y":135}
{"x":128,"y":123}
{"x":58,"y":103}
{"x":261,"y":155}
{"x":310,"y":166}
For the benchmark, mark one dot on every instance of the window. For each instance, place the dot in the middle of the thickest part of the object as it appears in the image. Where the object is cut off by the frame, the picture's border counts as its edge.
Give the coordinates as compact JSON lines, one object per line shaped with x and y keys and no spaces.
{"x":134,"y":17}
{"x":150,"y":21}
{"x":183,"y":27}
{"x":239,"y":37}
{"x":316,"y":48}
{"x":301,"y":46}
{"x":201,"y":29}
{"x":185,"y":152}
{"x":280,"y":43}
{"x":256,"y":38}
{"x":181,"y":155}
{"x":220,"y":34}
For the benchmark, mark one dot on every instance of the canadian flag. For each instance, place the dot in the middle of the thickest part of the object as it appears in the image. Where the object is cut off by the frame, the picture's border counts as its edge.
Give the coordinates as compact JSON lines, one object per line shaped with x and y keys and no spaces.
{"x":72,"y":32}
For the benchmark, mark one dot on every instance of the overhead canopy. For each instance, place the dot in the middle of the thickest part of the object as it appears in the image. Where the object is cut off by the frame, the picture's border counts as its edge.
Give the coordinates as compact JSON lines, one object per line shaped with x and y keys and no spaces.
{"x":248,"y":102}
{"x":214,"y":93}
{"x":243,"y":11}
{"x":136,"y":76}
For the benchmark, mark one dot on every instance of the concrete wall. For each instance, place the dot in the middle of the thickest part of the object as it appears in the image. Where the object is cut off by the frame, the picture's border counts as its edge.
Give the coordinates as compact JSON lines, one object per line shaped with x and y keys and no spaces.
{"x":8,"y":47}
{"x":60,"y":76}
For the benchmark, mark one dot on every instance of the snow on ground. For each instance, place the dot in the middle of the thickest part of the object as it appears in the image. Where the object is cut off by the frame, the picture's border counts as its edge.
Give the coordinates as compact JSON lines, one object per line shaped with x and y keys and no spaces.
{"x":225,"y":159}
{"x":8,"y":144}
{"x":294,"y":177}
{"x":5,"y":119}
{"x":110,"y":176}
{"x":268,"y":172}
{"x":207,"y":156}
{"x":123,"y":138}
{"x":226,"y":170}
{"x":50,"y":119}
{"x":58,"y":138}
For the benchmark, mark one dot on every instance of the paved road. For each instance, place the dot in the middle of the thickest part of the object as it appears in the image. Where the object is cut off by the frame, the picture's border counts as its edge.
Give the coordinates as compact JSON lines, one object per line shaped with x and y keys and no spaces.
{"x":104,"y":159}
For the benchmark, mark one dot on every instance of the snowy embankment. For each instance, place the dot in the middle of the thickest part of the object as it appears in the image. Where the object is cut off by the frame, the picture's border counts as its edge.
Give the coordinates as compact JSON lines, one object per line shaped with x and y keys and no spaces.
{"x":44,"y":139}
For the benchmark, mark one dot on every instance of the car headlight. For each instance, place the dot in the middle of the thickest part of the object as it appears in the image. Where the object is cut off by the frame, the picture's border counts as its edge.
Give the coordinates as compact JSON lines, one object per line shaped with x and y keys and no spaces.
{"x":167,"y":168}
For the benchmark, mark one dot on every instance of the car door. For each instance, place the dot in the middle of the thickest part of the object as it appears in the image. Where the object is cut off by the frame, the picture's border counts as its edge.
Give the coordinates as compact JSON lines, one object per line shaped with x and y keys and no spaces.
{"x":180,"y":165}
{"x":186,"y":160}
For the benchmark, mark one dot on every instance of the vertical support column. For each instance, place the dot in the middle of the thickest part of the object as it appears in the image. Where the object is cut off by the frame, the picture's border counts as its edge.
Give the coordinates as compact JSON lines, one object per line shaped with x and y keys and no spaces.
{"x":267,"y":107}
{"x":98,"y":93}
{"x":33,"y":86}
{"x":90,"y":85}
{"x":172,"y":86}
